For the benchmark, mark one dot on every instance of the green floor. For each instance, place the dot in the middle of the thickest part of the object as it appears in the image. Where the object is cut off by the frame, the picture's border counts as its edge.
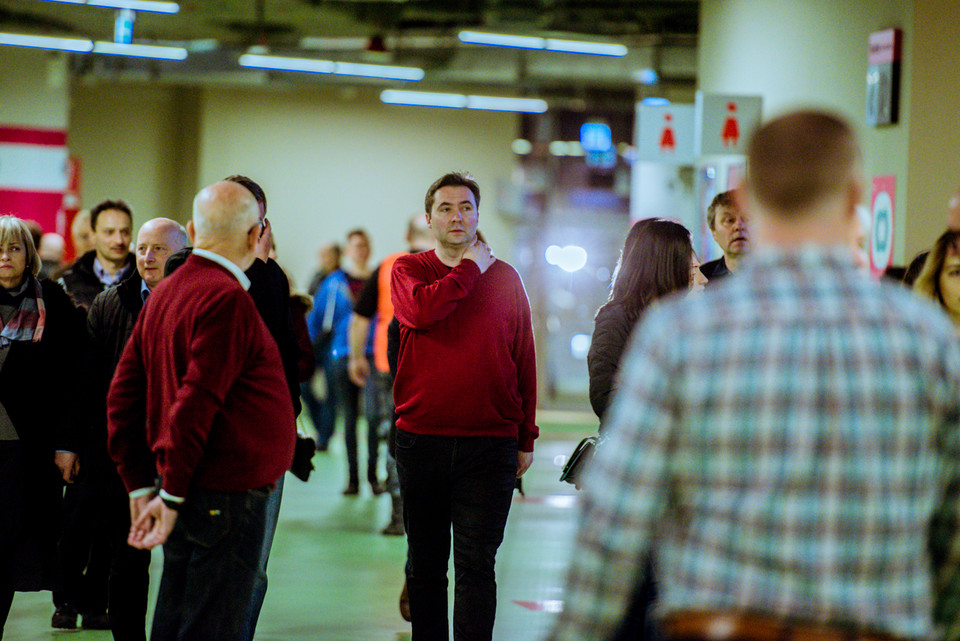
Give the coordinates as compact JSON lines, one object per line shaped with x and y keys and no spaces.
{"x":333,"y":577}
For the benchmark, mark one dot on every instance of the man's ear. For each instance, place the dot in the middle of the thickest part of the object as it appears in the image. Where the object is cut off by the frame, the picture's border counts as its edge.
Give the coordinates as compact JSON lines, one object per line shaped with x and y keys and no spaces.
{"x":854,"y":196}
{"x":191,"y":232}
{"x":428,"y":219}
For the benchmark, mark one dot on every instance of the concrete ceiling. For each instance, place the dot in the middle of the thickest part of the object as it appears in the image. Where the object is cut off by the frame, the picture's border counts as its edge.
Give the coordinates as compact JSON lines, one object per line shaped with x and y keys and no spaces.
{"x":660,"y":34}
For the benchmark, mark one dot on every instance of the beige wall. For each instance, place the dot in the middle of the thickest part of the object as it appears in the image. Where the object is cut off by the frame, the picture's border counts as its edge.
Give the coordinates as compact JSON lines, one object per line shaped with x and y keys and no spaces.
{"x":136,"y":142}
{"x":330,"y":161}
{"x":34,"y":88}
{"x":814,"y":52}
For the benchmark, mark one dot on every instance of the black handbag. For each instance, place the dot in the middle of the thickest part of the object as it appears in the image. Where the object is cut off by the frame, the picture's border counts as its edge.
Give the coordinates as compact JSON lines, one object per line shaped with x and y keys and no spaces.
{"x":576,"y":468}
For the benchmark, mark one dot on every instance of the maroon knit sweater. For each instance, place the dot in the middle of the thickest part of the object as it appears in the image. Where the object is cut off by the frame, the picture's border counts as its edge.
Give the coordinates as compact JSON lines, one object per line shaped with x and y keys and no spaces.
{"x":467,"y":365}
{"x":204,"y":375}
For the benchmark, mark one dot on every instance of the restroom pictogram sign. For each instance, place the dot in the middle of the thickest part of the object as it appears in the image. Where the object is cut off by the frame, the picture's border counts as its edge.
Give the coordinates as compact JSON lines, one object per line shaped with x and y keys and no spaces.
{"x":664,"y":134}
{"x":668,"y":143}
{"x":725,"y":123}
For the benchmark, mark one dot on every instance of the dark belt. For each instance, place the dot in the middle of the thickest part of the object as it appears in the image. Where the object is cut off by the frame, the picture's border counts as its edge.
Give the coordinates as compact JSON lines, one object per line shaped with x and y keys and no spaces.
{"x":720,"y":626}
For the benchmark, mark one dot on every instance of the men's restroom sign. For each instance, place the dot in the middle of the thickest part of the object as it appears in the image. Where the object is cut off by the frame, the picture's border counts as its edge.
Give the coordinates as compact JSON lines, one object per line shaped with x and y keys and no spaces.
{"x":725,"y":123}
{"x":881,"y":228}
{"x":664,"y":134}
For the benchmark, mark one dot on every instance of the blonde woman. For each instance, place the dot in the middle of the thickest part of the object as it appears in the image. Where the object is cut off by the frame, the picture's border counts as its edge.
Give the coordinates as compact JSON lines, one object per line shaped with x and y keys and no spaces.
{"x":41,"y":340}
{"x":940,"y":277}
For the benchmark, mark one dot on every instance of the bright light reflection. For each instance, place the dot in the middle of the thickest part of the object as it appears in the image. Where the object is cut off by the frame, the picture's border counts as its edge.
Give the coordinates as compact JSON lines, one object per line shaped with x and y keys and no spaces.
{"x":553,"y":605}
{"x":564,"y":501}
{"x":570,"y":258}
{"x":579,"y":346}
{"x":521,"y":147}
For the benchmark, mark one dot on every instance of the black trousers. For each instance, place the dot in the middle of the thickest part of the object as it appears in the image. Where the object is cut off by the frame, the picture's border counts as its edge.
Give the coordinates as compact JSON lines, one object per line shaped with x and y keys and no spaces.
{"x":464,"y":484}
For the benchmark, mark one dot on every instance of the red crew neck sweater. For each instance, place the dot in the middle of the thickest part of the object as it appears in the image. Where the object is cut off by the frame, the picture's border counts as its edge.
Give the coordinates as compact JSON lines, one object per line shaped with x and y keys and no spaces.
{"x":203,"y":374}
{"x":467,"y":365}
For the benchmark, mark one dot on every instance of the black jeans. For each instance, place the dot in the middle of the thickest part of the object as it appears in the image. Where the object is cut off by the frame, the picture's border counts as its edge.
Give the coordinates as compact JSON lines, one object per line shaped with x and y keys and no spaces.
{"x":210,"y":562}
{"x":465,"y":483}
{"x":347,"y":406}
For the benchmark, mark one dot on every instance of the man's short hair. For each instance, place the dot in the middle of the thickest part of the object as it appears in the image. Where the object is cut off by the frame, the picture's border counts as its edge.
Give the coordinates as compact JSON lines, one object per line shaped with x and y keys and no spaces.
{"x":797,"y":160}
{"x":723,"y":199}
{"x":103,"y":206}
{"x":453,"y":179}
{"x":357,"y":232}
{"x":253,"y":188}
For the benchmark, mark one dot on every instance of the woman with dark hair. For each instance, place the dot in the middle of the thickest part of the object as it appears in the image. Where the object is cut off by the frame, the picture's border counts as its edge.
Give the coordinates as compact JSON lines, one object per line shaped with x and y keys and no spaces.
{"x":940,"y":277}
{"x":657,"y":260}
{"x":41,"y":340}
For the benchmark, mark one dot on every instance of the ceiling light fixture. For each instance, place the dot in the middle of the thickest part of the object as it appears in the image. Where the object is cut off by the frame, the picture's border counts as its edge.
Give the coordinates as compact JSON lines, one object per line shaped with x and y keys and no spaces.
{"x":137,"y":5}
{"x":140,"y":51}
{"x":308,"y":65}
{"x":460,"y":101}
{"x":542,"y":44}
{"x":46,"y":42}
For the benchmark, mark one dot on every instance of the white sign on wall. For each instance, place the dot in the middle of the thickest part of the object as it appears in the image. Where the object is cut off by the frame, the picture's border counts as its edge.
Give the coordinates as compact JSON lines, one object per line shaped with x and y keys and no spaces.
{"x":665,"y":133}
{"x":724,"y":123}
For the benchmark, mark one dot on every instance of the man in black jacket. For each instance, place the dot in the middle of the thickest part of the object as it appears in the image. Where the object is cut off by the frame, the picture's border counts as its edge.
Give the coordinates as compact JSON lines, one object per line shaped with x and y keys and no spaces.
{"x":110,"y":321}
{"x":110,"y":261}
{"x":81,"y":560}
{"x":728,"y":224}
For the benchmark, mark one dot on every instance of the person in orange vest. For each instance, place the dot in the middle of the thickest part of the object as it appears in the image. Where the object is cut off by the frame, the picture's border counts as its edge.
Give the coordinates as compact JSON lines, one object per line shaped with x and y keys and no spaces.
{"x":375,"y":307}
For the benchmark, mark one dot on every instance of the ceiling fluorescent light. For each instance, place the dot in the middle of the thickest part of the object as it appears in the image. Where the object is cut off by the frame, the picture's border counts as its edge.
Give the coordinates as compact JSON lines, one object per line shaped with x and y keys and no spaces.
{"x":501,"y":40}
{"x":590,"y":48}
{"x":308,"y":65}
{"x":493,"y":103}
{"x":282,"y":63}
{"x":459,"y":101}
{"x":45,"y":42}
{"x":547,"y":44}
{"x":140,"y":51}
{"x":378,"y":71}
{"x":423,"y":99}
{"x":137,"y":5}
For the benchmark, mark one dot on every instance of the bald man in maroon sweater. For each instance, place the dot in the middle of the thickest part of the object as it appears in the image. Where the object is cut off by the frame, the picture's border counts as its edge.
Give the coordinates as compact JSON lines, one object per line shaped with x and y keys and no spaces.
{"x":466,"y":399}
{"x":202,"y":372}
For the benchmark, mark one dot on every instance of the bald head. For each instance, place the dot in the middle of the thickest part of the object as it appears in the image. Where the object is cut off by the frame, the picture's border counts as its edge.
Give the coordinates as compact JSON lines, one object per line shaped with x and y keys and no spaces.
{"x":225,"y":215}
{"x":801,"y":159}
{"x":51,"y":247}
{"x":157,"y":239}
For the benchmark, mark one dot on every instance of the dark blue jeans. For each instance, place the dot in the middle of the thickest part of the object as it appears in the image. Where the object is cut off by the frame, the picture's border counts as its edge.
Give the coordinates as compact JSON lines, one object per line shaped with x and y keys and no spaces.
{"x":210,"y":562}
{"x":260,"y":583}
{"x":463,"y":483}
{"x":347,"y":406}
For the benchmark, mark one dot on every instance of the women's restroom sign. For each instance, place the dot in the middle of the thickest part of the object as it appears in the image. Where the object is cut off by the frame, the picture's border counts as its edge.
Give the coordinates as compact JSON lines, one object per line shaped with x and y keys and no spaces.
{"x":724,"y":123}
{"x":665,"y":134}
{"x":881,"y":227}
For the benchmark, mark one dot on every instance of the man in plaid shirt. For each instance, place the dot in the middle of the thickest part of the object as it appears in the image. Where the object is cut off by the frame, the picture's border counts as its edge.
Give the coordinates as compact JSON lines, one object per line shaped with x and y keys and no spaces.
{"x":787,"y":445}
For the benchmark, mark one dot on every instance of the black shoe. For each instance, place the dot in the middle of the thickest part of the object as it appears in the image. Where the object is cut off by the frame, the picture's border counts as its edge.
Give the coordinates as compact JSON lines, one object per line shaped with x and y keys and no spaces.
{"x":352,"y":489}
{"x":95,"y":621}
{"x":65,"y":618}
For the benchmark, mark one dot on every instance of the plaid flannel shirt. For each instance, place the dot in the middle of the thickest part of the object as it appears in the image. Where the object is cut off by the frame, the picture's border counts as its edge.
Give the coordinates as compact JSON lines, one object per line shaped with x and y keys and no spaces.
{"x":781,"y":445}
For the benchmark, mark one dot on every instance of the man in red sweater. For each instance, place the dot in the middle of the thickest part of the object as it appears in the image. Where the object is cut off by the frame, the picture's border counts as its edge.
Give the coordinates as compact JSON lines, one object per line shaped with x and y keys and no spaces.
{"x":466,"y":400}
{"x":203,"y":374}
